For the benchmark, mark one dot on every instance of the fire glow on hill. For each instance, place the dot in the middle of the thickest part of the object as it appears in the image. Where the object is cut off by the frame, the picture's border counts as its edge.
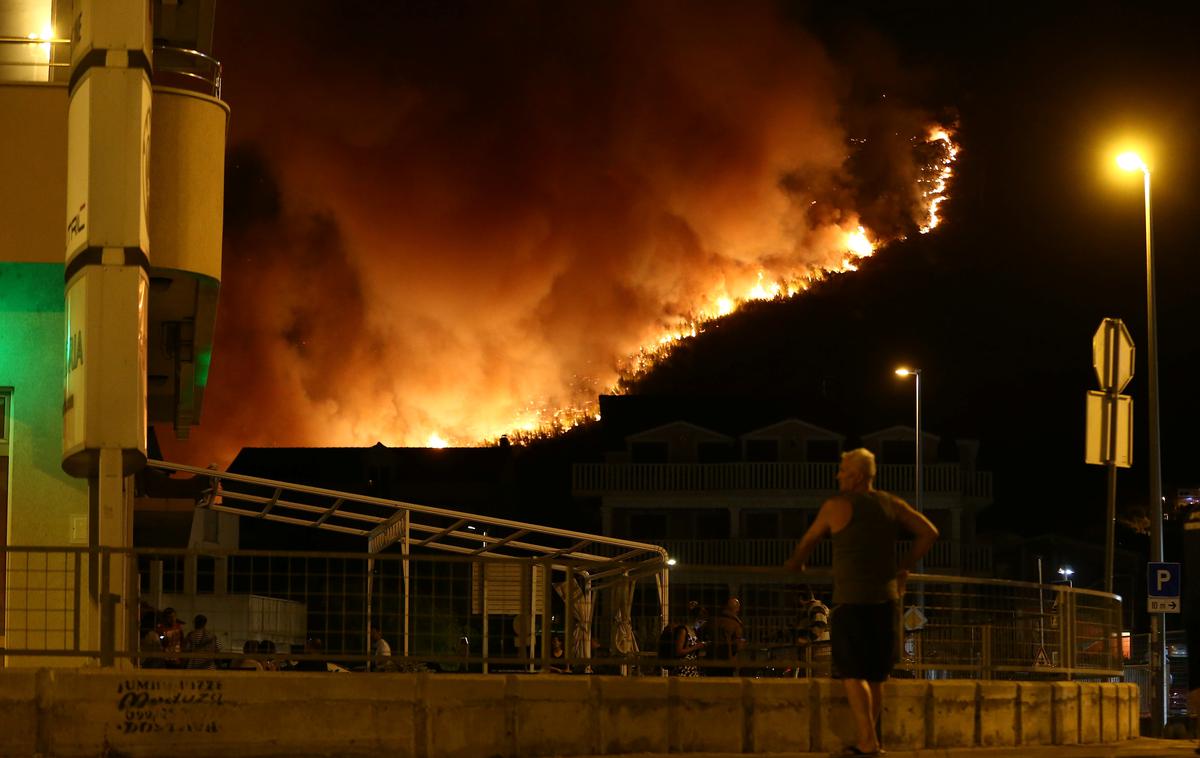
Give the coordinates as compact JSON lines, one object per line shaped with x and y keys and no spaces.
{"x":477,"y":228}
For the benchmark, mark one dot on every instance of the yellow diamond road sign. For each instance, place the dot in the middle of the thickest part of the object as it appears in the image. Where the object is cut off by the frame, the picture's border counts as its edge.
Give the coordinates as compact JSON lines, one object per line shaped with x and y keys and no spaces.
{"x":1112,"y":355}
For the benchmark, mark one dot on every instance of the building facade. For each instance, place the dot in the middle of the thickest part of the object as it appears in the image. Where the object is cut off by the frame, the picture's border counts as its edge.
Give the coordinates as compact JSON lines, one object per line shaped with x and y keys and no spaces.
{"x":728,"y":497}
{"x":183,"y":181}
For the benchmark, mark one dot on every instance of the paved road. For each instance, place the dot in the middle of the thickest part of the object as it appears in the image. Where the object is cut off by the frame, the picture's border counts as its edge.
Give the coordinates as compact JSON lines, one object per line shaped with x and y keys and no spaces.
{"x":1139,"y":748}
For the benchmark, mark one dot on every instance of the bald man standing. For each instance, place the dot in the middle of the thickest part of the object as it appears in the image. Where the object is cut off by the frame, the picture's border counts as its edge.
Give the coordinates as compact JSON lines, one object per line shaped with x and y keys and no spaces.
{"x":868,"y":584}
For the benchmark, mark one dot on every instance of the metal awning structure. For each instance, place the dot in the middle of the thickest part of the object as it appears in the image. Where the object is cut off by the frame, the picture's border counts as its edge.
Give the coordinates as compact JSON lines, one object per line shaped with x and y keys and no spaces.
{"x":387,"y":523}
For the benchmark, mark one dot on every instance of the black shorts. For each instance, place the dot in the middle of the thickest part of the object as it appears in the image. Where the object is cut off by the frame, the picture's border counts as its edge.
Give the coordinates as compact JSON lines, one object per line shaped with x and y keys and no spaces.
{"x":866,"y":640}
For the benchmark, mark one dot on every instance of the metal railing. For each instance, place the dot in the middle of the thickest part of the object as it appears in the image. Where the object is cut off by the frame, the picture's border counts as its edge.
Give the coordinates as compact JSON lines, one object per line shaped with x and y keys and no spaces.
{"x":178,"y":67}
{"x":475,"y":613}
{"x":945,"y":555}
{"x":955,"y":626}
{"x":187,"y":69}
{"x":603,"y":478}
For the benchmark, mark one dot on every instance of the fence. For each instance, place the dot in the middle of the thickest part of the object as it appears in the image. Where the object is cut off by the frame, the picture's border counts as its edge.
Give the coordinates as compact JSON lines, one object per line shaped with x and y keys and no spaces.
{"x":1137,"y":669}
{"x":475,"y":613}
{"x":954,"y":627}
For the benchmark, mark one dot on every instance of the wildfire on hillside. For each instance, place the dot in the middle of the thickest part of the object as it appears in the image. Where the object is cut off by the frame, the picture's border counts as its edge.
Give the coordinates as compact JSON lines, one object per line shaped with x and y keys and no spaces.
{"x":856,"y":244}
{"x":480,"y":227}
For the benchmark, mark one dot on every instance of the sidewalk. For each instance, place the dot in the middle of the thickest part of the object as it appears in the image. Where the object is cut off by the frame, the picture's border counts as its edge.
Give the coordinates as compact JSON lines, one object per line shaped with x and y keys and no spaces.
{"x":1144,"y":747}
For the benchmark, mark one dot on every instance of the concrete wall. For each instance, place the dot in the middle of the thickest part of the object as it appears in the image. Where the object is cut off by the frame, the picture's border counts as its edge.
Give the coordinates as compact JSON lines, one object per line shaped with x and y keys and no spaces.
{"x":44,"y":506}
{"x":65,"y":712}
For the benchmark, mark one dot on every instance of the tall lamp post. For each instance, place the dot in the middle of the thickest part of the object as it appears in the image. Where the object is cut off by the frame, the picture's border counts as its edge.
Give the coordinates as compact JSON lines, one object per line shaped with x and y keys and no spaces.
{"x":1132,"y":162}
{"x":916,"y":374}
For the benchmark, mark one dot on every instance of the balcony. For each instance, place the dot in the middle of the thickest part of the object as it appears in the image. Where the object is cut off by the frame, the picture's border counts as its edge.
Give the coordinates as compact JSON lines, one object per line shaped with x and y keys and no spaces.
{"x":946,"y":556}
{"x":625,"y":478}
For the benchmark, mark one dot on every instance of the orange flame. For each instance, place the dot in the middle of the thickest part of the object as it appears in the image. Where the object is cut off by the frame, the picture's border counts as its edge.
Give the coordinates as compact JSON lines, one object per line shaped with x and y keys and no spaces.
{"x":936,"y":193}
{"x":849,"y":245}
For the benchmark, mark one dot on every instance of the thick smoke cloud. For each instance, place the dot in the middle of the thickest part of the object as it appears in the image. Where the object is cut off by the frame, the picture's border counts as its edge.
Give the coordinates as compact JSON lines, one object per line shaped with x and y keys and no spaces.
{"x":445,"y":218}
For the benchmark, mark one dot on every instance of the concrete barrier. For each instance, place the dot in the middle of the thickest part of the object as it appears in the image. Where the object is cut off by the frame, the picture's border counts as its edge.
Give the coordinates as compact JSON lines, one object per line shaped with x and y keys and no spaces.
{"x":87,"y":712}
{"x":1065,"y":697}
{"x":998,"y":716}
{"x":1089,"y":713}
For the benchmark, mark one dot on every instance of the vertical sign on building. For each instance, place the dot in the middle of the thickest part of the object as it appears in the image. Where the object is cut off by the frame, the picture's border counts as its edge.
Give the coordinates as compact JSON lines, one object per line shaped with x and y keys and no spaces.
{"x":107,"y":238}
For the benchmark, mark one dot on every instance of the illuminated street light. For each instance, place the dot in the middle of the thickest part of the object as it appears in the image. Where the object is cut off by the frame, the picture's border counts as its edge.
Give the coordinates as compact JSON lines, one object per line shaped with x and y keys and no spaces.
{"x":1133,"y":162}
{"x":1066,"y":572}
{"x":671,"y":561}
{"x":916,"y":374}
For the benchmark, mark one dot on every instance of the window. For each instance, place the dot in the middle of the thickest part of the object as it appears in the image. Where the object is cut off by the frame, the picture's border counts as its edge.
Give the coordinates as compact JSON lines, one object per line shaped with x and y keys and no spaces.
{"x":795,"y":523}
{"x":648,"y":526}
{"x":761,"y":525}
{"x":172,"y":580}
{"x":762,"y":451}
{"x":943,"y":520}
{"x":649,"y":452}
{"x":206,"y":575}
{"x":898,"y":451}
{"x":712,"y":524}
{"x":713,"y":452}
{"x":823,"y":451}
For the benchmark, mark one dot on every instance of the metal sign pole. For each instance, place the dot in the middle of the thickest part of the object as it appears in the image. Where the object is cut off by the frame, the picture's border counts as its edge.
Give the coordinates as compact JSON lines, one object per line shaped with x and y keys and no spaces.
{"x":1110,"y":449}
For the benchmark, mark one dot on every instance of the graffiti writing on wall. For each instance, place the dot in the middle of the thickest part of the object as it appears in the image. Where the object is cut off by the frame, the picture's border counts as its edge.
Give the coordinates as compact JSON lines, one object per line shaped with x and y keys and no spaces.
{"x":173,"y":705}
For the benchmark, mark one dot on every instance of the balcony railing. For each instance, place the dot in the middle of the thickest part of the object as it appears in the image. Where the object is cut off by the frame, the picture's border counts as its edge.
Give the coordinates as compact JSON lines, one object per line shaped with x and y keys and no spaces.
{"x":965,"y":559}
{"x":34,"y":58}
{"x":609,"y":478}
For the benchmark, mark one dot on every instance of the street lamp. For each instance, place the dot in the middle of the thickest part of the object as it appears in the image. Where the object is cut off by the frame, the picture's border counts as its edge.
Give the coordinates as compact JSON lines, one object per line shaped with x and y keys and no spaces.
{"x":1133,"y":162}
{"x":1066,"y":572}
{"x":916,"y":374}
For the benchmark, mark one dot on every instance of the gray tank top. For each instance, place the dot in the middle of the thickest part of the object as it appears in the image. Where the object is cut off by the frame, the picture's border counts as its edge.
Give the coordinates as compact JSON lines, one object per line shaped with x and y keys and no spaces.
{"x":864,"y":552}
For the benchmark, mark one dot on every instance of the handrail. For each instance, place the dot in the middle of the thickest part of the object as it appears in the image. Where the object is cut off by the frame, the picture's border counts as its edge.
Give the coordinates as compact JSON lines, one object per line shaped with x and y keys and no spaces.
{"x":10,"y":40}
{"x":213,"y":79}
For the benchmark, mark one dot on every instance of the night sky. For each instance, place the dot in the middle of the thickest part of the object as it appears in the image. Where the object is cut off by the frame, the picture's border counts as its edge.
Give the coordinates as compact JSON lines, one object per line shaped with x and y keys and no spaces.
{"x":443,"y":211}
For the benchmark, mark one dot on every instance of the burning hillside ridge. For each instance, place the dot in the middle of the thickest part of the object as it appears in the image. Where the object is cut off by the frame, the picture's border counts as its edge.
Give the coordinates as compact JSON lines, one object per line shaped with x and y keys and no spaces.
{"x":479,"y":227}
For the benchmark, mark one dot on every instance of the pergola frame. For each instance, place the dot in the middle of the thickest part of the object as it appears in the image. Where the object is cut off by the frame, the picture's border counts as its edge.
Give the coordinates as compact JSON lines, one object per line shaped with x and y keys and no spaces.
{"x":598,"y":560}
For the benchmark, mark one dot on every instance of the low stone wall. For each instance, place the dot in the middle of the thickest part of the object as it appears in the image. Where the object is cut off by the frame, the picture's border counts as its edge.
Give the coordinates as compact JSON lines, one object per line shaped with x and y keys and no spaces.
{"x":88,"y":712}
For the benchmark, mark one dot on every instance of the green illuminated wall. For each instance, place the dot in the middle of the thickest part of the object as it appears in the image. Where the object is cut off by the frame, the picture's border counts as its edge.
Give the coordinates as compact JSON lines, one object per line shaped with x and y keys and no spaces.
{"x":43,"y":499}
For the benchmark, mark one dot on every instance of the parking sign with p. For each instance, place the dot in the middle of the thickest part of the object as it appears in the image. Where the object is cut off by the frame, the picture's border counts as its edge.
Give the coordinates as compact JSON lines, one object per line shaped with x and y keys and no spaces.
{"x":1162,"y":588}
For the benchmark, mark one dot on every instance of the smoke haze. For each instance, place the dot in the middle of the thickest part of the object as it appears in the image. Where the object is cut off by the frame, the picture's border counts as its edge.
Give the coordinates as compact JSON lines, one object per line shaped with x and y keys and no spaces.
{"x":455,"y":219}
